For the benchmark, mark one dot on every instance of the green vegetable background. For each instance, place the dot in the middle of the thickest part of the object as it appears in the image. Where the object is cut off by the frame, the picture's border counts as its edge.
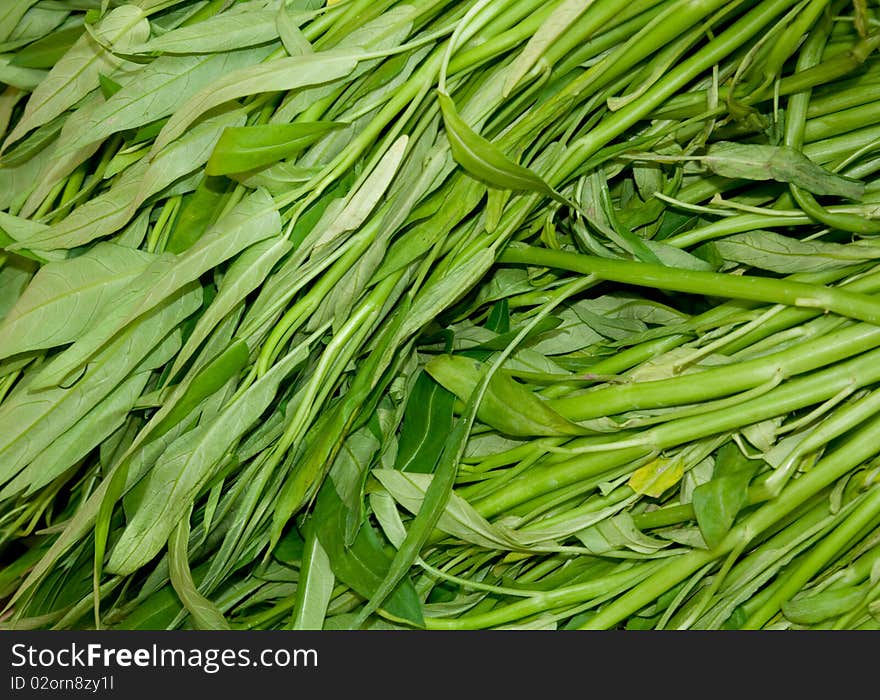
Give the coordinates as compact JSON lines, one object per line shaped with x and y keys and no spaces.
{"x":439,"y":315}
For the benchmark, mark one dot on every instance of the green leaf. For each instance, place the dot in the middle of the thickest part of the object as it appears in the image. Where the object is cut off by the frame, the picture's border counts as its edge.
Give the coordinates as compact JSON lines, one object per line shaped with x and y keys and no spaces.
{"x":362,"y":201}
{"x":209,"y":378}
{"x":245,"y":24}
{"x":278,"y":179}
{"x":507,"y":405}
{"x":10,"y":15}
{"x":458,"y":519}
{"x":250,"y":147}
{"x":15,"y":276}
{"x":76,"y":442}
{"x":563,"y":16}
{"x":616,"y":532}
{"x":484,"y":161}
{"x":766,"y":250}
{"x":41,"y":416}
{"x":362,"y":565}
{"x":813,"y":608}
{"x":159,"y":90}
{"x":186,"y":466}
{"x":289,"y":73}
{"x":78,"y":71}
{"x":46,"y":52}
{"x":100,"y":216}
{"x":185,"y":155}
{"x":244,"y":275}
{"x":780,"y":163}
{"x":253,"y":220}
{"x":349,"y":472}
{"x":658,"y":475}
{"x":315,"y":585}
{"x":287,"y":26}
{"x":432,"y":507}
{"x":65,"y":297}
{"x":718,"y":501}
{"x":427,"y":421}
{"x":37,"y":23}
{"x":27,"y":79}
{"x":205,"y":615}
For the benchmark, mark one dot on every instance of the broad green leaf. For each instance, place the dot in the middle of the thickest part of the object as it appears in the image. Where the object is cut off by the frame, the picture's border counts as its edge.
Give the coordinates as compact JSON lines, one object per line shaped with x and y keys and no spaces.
{"x":507,"y":405}
{"x":253,"y":220}
{"x":188,"y":153}
{"x":446,"y":291}
{"x":78,"y":71}
{"x":287,"y":26}
{"x":197,"y":214}
{"x":41,"y":416}
{"x":437,"y":495}
{"x":54,"y":168}
{"x":15,"y":276}
{"x":717,"y":502}
{"x":675,"y":257}
{"x":214,"y":367}
{"x":461,"y":199}
{"x":186,"y":466}
{"x":813,"y":608}
{"x":27,"y":79}
{"x":244,"y":275}
{"x":289,"y":73}
{"x":315,"y":585}
{"x":10,"y":15}
{"x":363,"y":564}
{"x":75,"y":443}
{"x":46,"y":52}
{"x":99,"y":216}
{"x":205,"y":615}
{"x":18,"y":182}
{"x":18,"y":228}
{"x":245,"y":24}
{"x":250,"y":147}
{"x":427,"y":421}
{"x":780,"y":163}
{"x":65,"y":297}
{"x":569,"y":335}
{"x":458,"y":519}
{"x":359,"y":205}
{"x":559,"y":21}
{"x":349,"y":472}
{"x":619,"y":531}
{"x":208,"y":379}
{"x":159,"y":90}
{"x":38,"y":22}
{"x":766,"y":250}
{"x":484,"y":161}
{"x":278,"y":179}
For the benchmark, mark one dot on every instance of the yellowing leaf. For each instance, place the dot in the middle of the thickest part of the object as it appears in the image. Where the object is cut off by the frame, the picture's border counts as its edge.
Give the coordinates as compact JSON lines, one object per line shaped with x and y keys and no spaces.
{"x":657,"y":476}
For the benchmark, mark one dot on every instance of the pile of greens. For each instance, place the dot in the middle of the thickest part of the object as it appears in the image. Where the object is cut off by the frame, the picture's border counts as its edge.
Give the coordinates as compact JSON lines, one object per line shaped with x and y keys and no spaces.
{"x":439,"y":315}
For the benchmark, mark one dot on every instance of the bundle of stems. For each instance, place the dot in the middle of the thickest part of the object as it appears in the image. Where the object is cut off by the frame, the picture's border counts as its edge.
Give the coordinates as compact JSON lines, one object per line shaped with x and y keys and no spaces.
{"x":443,"y":315}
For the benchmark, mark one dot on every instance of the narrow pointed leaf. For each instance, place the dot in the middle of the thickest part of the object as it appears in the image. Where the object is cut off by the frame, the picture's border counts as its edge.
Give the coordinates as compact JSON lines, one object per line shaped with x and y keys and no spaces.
{"x":251,"y":147}
{"x":65,"y":297}
{"x":484,"y":161}
{"x":280,"y":74}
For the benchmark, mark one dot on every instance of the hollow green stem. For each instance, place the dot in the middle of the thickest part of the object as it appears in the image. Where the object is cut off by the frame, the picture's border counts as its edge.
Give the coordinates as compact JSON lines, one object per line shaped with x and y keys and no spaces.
{"x":862,"y":446}
{"x":773,"y":291}
{"x":862,"y":517}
